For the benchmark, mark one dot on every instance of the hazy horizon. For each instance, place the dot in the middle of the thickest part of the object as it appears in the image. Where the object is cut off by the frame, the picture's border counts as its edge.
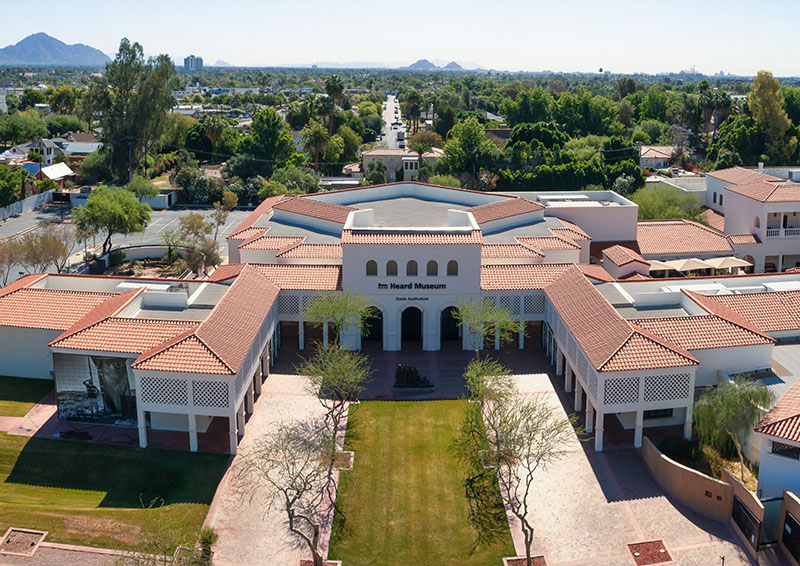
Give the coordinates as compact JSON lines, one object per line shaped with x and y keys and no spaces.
{"x":620,"y":36}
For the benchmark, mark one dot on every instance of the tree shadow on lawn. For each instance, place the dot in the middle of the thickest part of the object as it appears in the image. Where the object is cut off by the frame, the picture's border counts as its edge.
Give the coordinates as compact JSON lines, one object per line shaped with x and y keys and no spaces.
{"x":128,"y":476}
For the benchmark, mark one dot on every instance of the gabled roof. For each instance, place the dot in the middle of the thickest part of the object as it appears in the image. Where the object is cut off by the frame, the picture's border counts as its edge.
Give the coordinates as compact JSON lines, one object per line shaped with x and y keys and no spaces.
{"x":545,"y":243}
{"x":783,"y":420}
{"x":506,"y":208}
{"x":407,"y":237}
{"x":264,"y":208}
{"x":635,"y":276}
{"x":57,"y":171}
{"x":702,"y":332}
{"x":248,"y":233}
{"x":47,"y":309}
{"x":123,"y":335}
{"x":678,"y":237}
{"x":656,"y":151}
{"x":287,"y":275}
{"x":766,"y":191}
{"x":740,"y":175}
{"x":509,"y":251}
{"x":303,"y":250}
{"x":570,"y":231}
{"x":322,"y":210}
{"x":609,"y":342}
{"x":743,"y":239}
{"x":714,"y":219}
{"x":620,"y":255}
{"x":265,"y":242}
{"x":520,"y":276}
{"x":767,"y":312}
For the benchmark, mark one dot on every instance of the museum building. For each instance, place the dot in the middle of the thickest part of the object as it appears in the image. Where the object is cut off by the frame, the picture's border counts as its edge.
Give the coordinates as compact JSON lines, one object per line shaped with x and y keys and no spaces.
{"x":177,"y":354}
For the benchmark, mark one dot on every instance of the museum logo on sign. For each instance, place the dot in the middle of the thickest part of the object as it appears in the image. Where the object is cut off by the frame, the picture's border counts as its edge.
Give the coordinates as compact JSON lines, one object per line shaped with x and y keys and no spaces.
{"x":407,"y":286}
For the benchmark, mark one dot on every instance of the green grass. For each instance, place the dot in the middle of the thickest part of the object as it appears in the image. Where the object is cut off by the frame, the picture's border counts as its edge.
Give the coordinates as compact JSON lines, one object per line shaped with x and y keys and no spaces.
{"x":404,"y":502}
{"x":18,"y":395}
{"x":92,"y":494}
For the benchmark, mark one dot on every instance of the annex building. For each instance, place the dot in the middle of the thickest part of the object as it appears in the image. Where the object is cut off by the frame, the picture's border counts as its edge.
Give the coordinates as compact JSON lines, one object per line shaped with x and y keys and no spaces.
{"x":177,"y":354}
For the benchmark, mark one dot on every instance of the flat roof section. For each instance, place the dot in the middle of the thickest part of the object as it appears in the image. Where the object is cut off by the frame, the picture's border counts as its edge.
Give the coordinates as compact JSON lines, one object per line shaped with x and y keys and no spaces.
{"x":409,"y":211}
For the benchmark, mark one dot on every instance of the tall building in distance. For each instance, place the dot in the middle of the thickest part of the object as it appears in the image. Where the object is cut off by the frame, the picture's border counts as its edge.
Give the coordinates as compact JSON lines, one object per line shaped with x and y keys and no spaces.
{"x":192,"y":63}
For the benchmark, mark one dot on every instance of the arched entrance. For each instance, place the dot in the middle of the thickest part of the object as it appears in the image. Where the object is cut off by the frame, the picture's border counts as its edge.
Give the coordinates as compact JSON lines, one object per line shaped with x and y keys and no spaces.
{"x":449,"y":329}
{"x":411,"y":320}
{"x":752,"y":264}
{"x":373,"y":326}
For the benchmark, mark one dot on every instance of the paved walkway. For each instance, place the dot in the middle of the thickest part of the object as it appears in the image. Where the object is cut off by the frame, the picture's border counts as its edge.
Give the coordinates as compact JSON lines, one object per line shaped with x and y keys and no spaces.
{"x":53,"y":554}
{"x":588,"y":506}
{"x":251,"y":532}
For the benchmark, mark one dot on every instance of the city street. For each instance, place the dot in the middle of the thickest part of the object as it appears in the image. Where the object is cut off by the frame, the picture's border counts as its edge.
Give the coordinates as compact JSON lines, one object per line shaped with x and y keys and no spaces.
{"x":390,"y":135}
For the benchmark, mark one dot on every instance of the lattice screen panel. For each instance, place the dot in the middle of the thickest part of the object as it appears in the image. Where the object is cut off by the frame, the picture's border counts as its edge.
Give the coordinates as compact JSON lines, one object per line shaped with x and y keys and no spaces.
{"x":307,"y":299}
{"x":490,"y":301}
{"x":210,"y":394}
{"x":621,"y":390}
{"x":164,"y":391}
{"x":534,"y":304}
{"x":510,"y":303}
{"x":289,"y":304}
{"x":666,"y":387}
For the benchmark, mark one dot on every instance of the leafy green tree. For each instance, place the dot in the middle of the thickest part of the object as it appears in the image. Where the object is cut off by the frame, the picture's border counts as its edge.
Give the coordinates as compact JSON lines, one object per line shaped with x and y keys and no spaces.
{"x":20,"y":127}
{"x":581,"y":113}
{"x":530,"y":106}
{"x":339,"y":311}
{"x":96,"y":166}
{"x":654,"y":105}
{"x":548,"y":134}
{"x":466,"y":144}
{"x":727,"y":413}
{"x":445,"y":181}
{"x":315,"y":141}
{"x":111,"y":211}
{"x":766,"y":104}
{"x":375,"y":173}
{"x":269,"y":142}
{"x":63,"y":123}
{"x":142,"y":187}
{"x":445,"y":120}
{"x":657,"y":132}
{"x":352,"y":142}
{"x":228,"y":144}
{"x":31,"y":97}
{"x":738,"y":135}
{"x":222,"y":209}
{"x":64,"y":100}
{"x":480,"y":319}
{"x":657,"y":203}
{"x":791,"y":102}
{"x":11,"y":179}
{"x":413,"y":107}
{"x":198,"y":187}
{"x":296,"y":179}
{"x":197,"y":141}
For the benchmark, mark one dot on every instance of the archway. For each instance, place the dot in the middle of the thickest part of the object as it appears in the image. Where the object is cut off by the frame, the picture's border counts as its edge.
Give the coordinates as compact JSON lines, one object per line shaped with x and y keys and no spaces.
{"x":373,"y":326}
{"x":411,"y":320}
{"x":449,"y":329}
{"x":752,"y":261}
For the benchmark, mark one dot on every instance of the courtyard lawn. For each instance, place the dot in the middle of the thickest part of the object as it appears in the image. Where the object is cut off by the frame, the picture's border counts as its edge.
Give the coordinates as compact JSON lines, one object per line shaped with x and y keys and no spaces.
{"x":18,"y":395}
{"x":92,"y":494}
{"x":404,"y":502}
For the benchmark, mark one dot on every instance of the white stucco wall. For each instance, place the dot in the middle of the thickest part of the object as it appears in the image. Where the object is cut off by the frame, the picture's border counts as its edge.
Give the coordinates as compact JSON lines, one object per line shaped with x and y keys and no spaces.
{"x":777,"y":473}
{"x":25,"y":352}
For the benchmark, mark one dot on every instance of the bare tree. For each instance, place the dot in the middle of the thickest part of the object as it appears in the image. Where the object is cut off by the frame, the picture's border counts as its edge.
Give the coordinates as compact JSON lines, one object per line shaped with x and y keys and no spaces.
{"x":481,"y":319}
{"x":51,"y":244}
{"x":288,"y":464}
{"x":11,"y":256}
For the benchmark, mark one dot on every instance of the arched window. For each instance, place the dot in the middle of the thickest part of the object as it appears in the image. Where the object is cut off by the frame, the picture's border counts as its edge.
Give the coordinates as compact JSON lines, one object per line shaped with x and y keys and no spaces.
{"x":391,"y":268}
{"x":757,"y":223}
{"x":433,"y":268}
{"x":411,"y":268}
{"x":372,"y":267}
{"x":452,"y":267}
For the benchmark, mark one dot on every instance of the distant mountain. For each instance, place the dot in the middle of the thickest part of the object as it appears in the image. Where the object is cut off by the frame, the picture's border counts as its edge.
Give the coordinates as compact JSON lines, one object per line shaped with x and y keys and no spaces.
{"x":221,"y":63}
{"x":422,"y":65}
{"x":453,"y":66}
{"x":41,"y":49}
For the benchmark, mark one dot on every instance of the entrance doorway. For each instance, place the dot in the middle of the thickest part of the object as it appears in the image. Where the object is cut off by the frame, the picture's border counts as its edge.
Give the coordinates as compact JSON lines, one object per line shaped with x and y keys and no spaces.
{"x":373,"y":326}
{"x":411,"y":321}
{"x":450,"y":331}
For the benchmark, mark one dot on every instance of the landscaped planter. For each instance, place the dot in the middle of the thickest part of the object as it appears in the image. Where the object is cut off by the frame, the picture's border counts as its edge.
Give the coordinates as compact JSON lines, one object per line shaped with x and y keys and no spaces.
{"x":522,"y":561}
{"x":308,"y":562}
{"x":21,"y":542}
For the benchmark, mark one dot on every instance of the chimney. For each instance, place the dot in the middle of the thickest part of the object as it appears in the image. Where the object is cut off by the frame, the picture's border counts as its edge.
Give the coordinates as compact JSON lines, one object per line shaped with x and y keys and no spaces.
{"x":760,"y":166}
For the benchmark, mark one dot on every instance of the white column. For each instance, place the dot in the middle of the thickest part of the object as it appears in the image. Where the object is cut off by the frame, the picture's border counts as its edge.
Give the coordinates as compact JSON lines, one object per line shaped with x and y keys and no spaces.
{"x":568,"y":379}
{"x":559,"y":361}
{"x":598,"y":432}
{"x":780,"y":263}
{"x":521,"y":335}
{"x":687,"y":423}
{"x":301,"y":335}
{"x":257,"y":382}
{"x":232,"y":436}
{"x":240,"y":421}
{"x":192,"y":433}
{"x":578,"y":395}
{"x":248,"y":399}
{"x":142,"y":424}
{"x":497,"y":339}
{"x":637,"y":434}
{"x":589,"y":416}
{"x":325,"y":334}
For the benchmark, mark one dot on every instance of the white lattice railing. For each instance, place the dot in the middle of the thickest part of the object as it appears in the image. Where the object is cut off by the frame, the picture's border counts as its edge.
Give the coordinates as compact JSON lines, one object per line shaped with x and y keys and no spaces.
{"x":773,"y":232}
{"x":791,"y":232}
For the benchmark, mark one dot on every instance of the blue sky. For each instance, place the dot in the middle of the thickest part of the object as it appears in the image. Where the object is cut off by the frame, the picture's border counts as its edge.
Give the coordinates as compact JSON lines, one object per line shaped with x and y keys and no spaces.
{"x":567,"y":35}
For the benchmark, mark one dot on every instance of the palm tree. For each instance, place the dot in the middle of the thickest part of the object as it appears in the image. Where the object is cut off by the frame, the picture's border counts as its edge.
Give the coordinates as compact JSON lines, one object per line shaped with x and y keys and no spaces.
{"x":327,"y":109}
{"x":335,"y":88}
{"x":315,"y":141}
{"x":413,"y":107}
{"x":215,"y":124}
{"x":421,"y":146}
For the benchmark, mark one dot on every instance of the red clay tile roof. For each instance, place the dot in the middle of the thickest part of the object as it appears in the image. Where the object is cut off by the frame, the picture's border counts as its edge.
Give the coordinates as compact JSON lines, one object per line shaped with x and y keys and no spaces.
{"x":315,"y":208}
{"x":702,"y":332}
{"x":248,"y":233}
{"x":184,"y":351}
{"x":714,"y":219}
{"x":743,"y":239}
{"x":265,"y":242}
{"x":264,"y":208}
{"x":767,"y":312}
{"x":509,"y":251}
{"x":125,"y":335}
{"x":226,"y":271}
{"x":610,"y":343}
{"x":547,"y":242}
{"x":678,"y":237}
{"x":21,"y":283}
{"x":506,"y":208}
{"x":300,"y":250}
{"x":620,"y":255}
{"x":635,"y":277}
{"x":594,"y":271}
{"x":520,"y":276}
{"x":570,"y":231}
{"x":48,"y":309}
{"x":410,"y":238}
{"x":783,"y":420}
{"x":596,"y":248}
{"x":740,"y":175}
{"x":764,"y":191}
{"x":302,"y":277}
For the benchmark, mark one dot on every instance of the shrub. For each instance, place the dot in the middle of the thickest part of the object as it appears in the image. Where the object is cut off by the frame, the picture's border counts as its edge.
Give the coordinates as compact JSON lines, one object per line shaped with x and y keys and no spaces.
{"x":115,"y":258}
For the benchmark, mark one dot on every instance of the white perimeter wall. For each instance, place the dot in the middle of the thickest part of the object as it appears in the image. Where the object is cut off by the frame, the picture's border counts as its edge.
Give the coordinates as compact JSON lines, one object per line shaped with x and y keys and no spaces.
{"x":25,"y":352}
{"x":777,"y":473}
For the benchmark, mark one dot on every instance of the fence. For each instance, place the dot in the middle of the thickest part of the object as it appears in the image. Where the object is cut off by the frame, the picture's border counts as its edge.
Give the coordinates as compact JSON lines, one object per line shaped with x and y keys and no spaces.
{"x":26,"y":204}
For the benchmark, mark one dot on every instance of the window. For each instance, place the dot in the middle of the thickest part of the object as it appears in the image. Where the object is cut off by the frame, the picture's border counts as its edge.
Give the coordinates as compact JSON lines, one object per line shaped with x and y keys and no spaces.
{"x":391,"y":268}
{"x":452,"y":267}
{"x":372,"y":267}
{"x":433,"y":268}
{"x":411,"y":268}
{"x":657,"y":414}
{"x":785,"y":450}
{"x":720,"y":199}
{"x":715,"y":198}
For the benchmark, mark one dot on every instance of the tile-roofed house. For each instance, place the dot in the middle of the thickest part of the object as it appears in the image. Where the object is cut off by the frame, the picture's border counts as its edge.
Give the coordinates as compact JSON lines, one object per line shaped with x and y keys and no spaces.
{"x":311,"y":250}
{"x":123,"y":335}
{"x":509,"y":250}
{"x":414,"y":237}
{"x":48,"y":309}
{"x":266,"y":242}
{"x":743,"y":239}
{"x":740,"y":176}
{"x":768,"y":312}
{"x":635,"y":276}
{"x":248,"y":233}
{"x":544,"y":243}
{"x":264,"y":208}
{"x":322,"y":210}
{"x":520,"y":276}
{"x":678,"y":237}
{"x":713,"y":219}
{"x":620,"y":255}
{"x":570,"y":231}
{"x":783,"y":420}
{"x":767,"y":191}
{"x":302,"y":277}
{"x":609,"y":342}
{"x":505,"y":208}
{"x":185,"y":351}
{"x":702,"y":332}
